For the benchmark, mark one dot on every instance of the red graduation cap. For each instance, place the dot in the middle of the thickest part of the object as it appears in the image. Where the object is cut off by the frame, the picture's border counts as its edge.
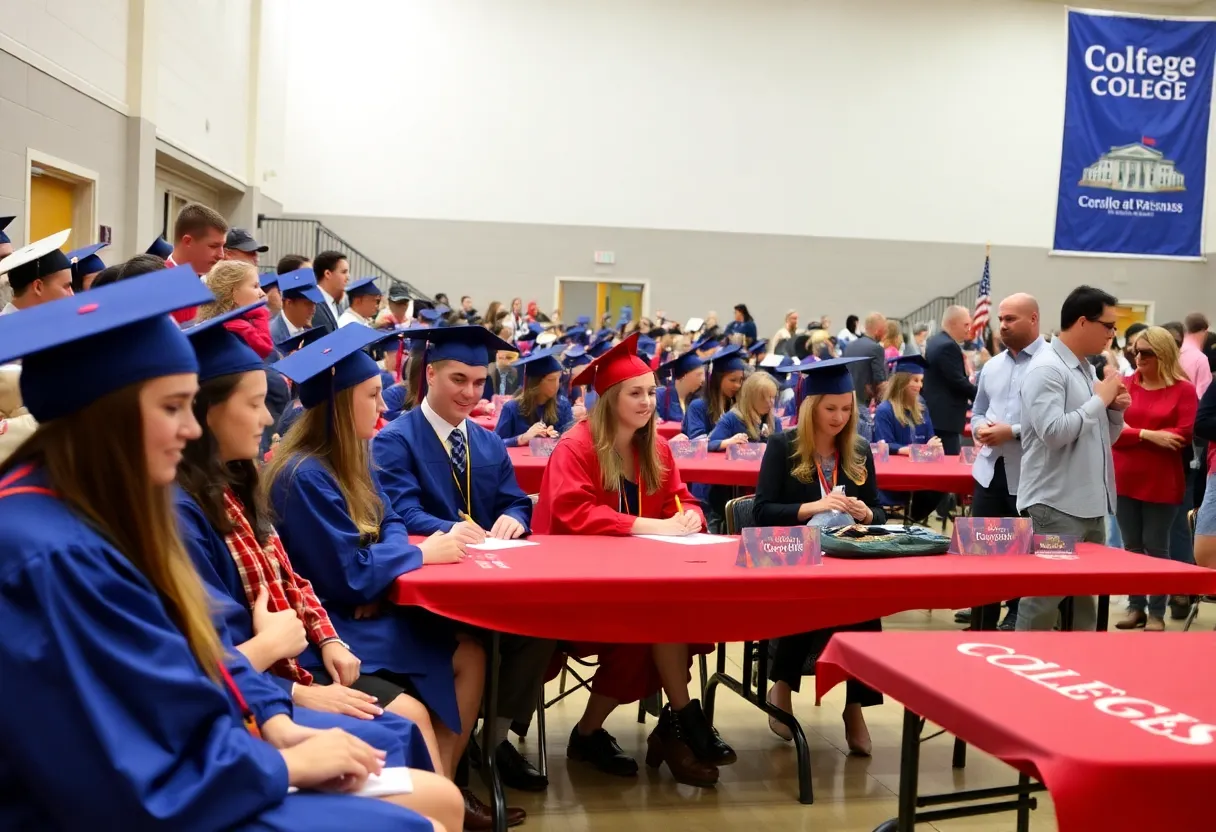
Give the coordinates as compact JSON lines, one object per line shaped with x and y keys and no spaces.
{"x":618,"y":364}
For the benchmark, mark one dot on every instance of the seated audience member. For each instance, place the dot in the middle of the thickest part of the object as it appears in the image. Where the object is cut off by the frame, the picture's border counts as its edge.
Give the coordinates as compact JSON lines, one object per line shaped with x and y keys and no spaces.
{"x":613,"y":475}
{"x":442,"y":473}
{"x":750,"y":420}
{"x":236,"y":285}
{"x":743,"y":327}
{"x":199,"y":234}
{"x":800,"y":476}
{"x":86,"y":265}
{"x":948,"y":390}
{"x":684,"y":376}
{"x":536,"y":410}
{"x":1149,"y":469}
{"x":902,"y":420}
{"x":345,"y":538}
{"x":300,"y":299}
{"x":240,"y":245}
{"x":396,"y":312}
{"x":503,"y":378}
{"x":147,"y":700}
{"x":724,"y":376}
{"x":363,"y":302}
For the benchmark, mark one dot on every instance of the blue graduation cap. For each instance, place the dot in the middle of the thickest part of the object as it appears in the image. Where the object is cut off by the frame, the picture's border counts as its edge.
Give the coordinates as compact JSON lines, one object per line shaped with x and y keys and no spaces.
{"x":682,"y":365}
{"x":77,"y":349}
{"x":220,"y":352}
{"x":707,"y":343}
{"x":914,"y":364}
{"x":647,"y":346}
{"x":300,"y":340}
{"x":366,"y":286}
{"x":583,"y":320}
{"x":268,"y":280}
{"x":4,"y":221}
{"x":161,"y":249}
{"x":604,"y":333}
{"x":301,"y":283}
{"x":540,"y":363}
{"x":39,"y":259}
{"x":533,"y":330}
{"x":85,"y":260}
{"x":332,"y":364}
{"x":600,"y":346}
{"x":576,"y":356}
{"x":475,"y":346}
{"x":758,"y":347}
{"x":575,"y":335}
{"x":430,"y":315}
{"x":727,"y":360}
{"x":828,"y":377}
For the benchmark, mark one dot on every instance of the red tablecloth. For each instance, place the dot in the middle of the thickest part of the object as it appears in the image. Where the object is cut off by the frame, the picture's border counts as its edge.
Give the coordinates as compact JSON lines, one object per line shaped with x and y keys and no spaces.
{"x":488,"y":422}
{"x":668,"y":429}
{"x":1111,"y":759}
{"x":896,"y":474}
{"x":636,"y":590}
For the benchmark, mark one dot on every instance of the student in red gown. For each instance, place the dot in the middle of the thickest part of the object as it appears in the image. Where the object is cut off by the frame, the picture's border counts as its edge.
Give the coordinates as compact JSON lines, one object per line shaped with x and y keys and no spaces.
{"x":613,"y":475}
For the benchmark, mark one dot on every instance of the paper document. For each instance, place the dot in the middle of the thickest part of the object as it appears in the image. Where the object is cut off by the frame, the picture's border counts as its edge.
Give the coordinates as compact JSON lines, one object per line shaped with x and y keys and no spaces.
{"x":393,"y":780}
{"x":698,"y":539}
{"x":492,"y":544}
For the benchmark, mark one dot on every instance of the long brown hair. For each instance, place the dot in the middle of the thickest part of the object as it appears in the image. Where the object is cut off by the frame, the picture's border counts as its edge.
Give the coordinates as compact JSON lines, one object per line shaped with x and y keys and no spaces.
{"x":603,"y":424}
{"x":716,"y":404}
{"x":341,"y":450}
{"x":205,"y":477}
{"x":758,"y":384}
{"x":95,"y":461}
{"x":528,"y":397}
{"x":848,"y":445}
{"x":897,"y":394}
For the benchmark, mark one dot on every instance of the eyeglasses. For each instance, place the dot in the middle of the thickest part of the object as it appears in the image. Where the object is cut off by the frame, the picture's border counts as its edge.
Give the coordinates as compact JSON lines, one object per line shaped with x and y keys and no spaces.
{"x":1145,"y":354}
{"x":1110,"y":325}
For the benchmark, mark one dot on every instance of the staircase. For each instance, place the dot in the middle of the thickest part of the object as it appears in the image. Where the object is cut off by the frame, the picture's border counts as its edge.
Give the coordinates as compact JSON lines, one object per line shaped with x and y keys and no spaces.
{"x":309,"y":238}
{"x":931,"y":313}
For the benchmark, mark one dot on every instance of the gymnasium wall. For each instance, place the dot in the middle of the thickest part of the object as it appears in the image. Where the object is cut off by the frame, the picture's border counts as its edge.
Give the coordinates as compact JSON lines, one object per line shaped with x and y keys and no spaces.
{"x":831,"y":155}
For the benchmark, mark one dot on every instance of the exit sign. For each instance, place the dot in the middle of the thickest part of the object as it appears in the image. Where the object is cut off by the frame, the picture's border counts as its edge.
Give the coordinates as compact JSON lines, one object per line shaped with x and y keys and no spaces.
{"x":605,"y":258}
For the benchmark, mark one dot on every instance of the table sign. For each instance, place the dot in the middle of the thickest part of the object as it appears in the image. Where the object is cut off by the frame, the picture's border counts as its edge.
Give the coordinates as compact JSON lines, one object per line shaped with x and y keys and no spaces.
{"x":991,"y":536}
{"x":542,"y":446}
{"x":1055,"y":544}
{"x":748,"y":450}
{"x":690,"y":448}
{"x":881,"y":451}
{"x":968,"y":454}
{"x":926,"y":453}
{"x":769,"y":546}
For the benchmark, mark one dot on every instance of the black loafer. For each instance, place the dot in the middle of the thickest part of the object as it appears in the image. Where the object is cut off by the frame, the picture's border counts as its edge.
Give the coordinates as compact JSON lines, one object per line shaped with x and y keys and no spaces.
{"x":515,"y":770}
{"x":600,"y":749}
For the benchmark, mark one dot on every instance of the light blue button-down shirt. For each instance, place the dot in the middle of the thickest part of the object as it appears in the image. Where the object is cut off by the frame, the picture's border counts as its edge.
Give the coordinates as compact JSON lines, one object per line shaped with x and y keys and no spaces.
{"x":1067,"y":433}
{"x":998,"y":400}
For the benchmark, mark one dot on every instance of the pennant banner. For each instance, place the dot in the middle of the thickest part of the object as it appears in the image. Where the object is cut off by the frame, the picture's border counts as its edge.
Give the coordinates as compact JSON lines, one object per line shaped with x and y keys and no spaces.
{"x":1134,"y":166}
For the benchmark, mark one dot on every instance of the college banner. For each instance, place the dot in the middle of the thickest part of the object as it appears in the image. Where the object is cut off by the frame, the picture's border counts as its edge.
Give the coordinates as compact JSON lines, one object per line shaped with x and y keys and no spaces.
{"x":1134,"y":166}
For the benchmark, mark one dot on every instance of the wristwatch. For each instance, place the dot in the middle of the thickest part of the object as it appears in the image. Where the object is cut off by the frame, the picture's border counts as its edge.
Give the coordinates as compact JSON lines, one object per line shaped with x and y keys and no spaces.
{"x":1017,"y":432}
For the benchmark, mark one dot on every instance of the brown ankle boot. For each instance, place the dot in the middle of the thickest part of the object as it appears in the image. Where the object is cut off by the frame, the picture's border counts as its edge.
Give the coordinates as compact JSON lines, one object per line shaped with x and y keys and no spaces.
{"x":666,"y":744}
{"x":1133,"y":620}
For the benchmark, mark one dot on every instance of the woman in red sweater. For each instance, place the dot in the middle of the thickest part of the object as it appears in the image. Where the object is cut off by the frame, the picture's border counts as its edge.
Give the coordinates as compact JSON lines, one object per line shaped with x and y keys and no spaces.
{"x":612,"y":474}
{"x":235,"y":284}
{"x":1149,"y":476}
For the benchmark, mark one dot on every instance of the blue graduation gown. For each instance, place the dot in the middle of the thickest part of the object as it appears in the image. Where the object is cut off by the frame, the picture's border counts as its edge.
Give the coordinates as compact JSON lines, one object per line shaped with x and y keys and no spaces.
{"x":667,"y":405}
{"x":291,"y":413}
{"x":887,"y":428}
{"x":512,"y":424}
{"x":397,"y":736}
{"x":394,"y":400}
{"x":346,"y":572}
{"x":696,"y":424}
{"x":417,"y":477}
{"x":132,"y":733}
{"x":716,"y":496}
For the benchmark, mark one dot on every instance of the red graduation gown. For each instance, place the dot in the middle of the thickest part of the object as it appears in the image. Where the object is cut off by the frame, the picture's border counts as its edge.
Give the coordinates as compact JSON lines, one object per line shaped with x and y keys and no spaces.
{"x":573,"y":501}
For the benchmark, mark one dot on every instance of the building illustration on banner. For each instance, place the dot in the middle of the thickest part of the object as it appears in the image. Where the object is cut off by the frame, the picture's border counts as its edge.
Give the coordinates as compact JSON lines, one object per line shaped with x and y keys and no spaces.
{"x":1133,"y":167}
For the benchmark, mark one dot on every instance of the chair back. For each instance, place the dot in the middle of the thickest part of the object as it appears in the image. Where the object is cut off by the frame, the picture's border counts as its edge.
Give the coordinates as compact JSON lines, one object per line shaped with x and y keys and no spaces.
{"x":740,"y":514}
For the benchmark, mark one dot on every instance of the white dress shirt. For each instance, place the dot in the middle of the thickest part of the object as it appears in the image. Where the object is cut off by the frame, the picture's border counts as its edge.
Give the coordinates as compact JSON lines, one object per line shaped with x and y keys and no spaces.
{"x":443,"y":429}
{"x":292,"y":329}
{"x":998,"y":400}
{"x":350,"y":316}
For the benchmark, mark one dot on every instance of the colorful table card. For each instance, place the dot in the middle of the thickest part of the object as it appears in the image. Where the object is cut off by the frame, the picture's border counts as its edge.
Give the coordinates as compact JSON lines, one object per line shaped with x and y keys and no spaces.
{"x":991,"y":536}
{"x":881,"y":451}
{"x":690,"y":448}
{"x":968,"y":454}
{"x":542,"y":446}
{"x":1055,"y":544}
{"x":926,"y":453}
{"x":748,"y":450}
{"x":766,"y":547}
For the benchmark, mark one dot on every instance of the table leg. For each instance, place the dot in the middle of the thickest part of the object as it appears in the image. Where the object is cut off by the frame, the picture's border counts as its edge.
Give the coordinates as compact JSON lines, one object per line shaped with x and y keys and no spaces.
{"x":909,"y":772}
{"x":542,"y":744}
{"x":489,"y":768}
{"x":1024,"y":805}
{"x":1103,"y":613}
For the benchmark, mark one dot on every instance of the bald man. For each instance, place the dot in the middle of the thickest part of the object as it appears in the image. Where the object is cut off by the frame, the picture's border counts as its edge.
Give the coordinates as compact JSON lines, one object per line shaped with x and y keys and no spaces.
{"x":868,"y":376}
{"x":948,"y":392}
{"x":996,"y":423}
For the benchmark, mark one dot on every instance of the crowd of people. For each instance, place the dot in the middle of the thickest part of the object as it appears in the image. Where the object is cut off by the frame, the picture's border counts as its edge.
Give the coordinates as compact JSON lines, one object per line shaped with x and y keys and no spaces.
{"x":208,"y":488}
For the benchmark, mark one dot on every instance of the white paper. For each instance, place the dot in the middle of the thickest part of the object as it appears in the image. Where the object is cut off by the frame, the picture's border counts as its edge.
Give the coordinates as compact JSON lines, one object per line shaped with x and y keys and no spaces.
{"x":492,"y":544}
{"x":693,"y":326}
{"x":393,"y":780}
{"x":698,"y":539}
{"x":772,"y":360}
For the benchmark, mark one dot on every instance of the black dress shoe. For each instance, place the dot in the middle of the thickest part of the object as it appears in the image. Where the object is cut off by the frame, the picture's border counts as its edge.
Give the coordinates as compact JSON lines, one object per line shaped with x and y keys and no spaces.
{"x":477,"y":815}
{"x":516,"y":771}
{"x":701,"y":736}
{"x":600,"y":749}
{"x":962,"y":617}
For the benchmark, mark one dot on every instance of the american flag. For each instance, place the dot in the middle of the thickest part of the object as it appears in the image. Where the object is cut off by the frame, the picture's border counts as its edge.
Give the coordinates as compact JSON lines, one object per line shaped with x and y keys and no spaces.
{"x":979,"y":320}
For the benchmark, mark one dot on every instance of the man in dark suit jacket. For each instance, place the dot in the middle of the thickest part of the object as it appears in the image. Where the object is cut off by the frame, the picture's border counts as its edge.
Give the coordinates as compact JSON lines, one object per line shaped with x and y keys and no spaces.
{"x":503,"y":379}
{"x":332,"y":272}
{"x":868,"y":376}
{"x":948,"y":393}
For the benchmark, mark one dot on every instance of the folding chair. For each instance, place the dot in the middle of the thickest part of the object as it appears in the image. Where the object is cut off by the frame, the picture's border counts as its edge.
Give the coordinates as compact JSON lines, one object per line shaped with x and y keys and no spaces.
{"x":1194,"y":611}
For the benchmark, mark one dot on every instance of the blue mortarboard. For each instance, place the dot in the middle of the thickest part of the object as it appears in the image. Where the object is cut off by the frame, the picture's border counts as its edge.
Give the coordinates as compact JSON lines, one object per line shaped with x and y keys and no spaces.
{"x":366,"y":286}
{"x":758,"y":347}
{"x":682,"y":365}
{"x":300,"y":340}
{"x":332,"y":364}
{"x":727,"y":360}
{"x":575,"y":335}
{"x":600,"y":346}
{"x":85,"y":260}
{"x":4,"y":221}
{"x":220,"y":352}
{"x":540,"y":363}
{"x":301,"y":283}
{"x":77,"y":349}
{"x":647,"y":346}
{"x":576,"y":356}
{"x":161,"y":249}
{"x":829,"y":376}
{"x":706,"y":343}
{"x":583,"y":320}
{"x":604,"y":333}
{"x":268,"y":279}
{"x":914,"y":364}
{"x":533,"y":330}
{"x":40,"y":259}
{"x":472,"y":345}
{"x":430,"y":315}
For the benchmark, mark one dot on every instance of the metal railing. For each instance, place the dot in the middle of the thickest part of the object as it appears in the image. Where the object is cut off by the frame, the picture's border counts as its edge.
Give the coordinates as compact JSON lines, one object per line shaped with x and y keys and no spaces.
{"x":308,"y":238}
{"x":931,"y":313}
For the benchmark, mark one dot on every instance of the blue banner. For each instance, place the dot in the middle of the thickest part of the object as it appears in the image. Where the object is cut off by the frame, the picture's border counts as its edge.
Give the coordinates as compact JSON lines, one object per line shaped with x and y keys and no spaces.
{"x":1134,"y":166}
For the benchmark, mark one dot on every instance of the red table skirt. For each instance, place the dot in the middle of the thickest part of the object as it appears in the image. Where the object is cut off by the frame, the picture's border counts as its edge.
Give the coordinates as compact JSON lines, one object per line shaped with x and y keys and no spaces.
{"x":1131,"y":746}
{"x":635,"y":590}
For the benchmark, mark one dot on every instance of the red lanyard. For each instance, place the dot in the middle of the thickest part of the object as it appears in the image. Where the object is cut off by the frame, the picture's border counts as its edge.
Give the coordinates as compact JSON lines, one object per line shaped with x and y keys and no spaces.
{"x":251,"y":723}
{"x":824,"y":487}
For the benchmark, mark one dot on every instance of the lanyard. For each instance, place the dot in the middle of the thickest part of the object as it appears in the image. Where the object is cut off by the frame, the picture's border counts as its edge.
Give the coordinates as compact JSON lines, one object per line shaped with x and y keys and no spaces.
{"x":251,"y":723}
{"x":466,"y":493}
{"x":824,"y":488}
{"x":622,"y":504}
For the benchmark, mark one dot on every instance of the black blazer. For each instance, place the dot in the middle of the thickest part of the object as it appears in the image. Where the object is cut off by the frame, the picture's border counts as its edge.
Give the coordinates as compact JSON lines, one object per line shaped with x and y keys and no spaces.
{"x":493,"y":378}
{"x":779,"y":494}
{"x":947,"y":391}
{"x":323,"y":317}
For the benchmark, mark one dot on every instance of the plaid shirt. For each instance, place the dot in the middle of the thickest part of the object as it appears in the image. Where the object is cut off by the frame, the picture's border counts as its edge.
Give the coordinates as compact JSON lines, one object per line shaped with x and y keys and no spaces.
{"x":270,"y":567}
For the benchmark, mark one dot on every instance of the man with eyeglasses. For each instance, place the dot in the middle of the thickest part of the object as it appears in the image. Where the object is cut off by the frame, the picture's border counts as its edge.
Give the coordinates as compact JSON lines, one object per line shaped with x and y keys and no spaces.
{"x":1070,"y":419}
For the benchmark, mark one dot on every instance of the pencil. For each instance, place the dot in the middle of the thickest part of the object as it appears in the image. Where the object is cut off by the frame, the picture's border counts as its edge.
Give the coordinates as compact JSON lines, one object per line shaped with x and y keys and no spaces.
{"x":679,"y":505}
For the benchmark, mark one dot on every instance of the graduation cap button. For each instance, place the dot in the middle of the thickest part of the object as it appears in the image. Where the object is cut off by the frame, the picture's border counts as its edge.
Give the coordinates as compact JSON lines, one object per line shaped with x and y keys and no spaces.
{"x":87,"y":308}
{"x":326,"y":351}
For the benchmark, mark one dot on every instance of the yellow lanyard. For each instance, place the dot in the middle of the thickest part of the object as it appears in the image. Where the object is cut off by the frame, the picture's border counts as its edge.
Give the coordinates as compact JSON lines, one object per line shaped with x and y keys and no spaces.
{"x":467,"y":491}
